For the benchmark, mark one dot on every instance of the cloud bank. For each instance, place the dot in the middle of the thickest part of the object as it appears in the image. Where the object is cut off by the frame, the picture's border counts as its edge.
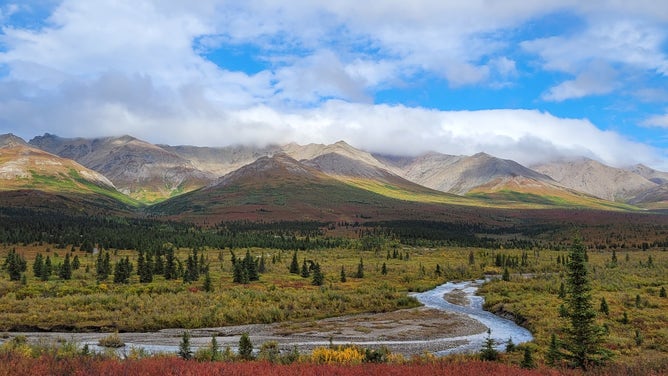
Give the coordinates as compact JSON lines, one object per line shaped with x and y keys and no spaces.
{"x":163,"y":71}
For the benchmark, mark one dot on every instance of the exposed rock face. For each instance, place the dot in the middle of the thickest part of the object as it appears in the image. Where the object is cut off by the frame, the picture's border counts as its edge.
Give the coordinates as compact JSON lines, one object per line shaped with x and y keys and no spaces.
{"x":20,"y":163}
{"x":139,"y":169}
{"x":461,"y":174}
{"x":592,"y":177}
{"x":658,"y":177}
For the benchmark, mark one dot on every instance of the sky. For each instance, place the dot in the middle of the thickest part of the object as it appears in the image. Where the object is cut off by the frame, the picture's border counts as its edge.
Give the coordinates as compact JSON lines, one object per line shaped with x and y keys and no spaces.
{"x":526,"y":80}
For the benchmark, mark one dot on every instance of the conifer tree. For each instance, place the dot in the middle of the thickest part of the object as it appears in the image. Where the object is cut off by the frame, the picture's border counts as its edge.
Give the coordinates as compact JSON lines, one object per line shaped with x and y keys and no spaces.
{"x":604,"y":307}
{"x":343,"y":274}
{"x":185,"y":351}
{"x":294,"y":265}
{"x":383,"y":269}
{"x":38,"y":265}
{"x":527,"y":360}
{"x":305,"y":272}
{"x":553,"y":355}
{"x":208,"y":285}
{"x":47,"y":269}
{"x":76,"y":264}
{"x":584,"y":337}
{"x":170,"y":270}
{"x":65,"y":271}
{"x":488,"y":351}
{"x":360,"y":269}
{"x":245,"y":347}
{"x":318,"y":276}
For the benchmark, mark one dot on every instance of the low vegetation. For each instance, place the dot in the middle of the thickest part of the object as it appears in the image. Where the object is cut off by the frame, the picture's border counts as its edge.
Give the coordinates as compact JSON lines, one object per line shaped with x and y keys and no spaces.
{"x":256,"y":273}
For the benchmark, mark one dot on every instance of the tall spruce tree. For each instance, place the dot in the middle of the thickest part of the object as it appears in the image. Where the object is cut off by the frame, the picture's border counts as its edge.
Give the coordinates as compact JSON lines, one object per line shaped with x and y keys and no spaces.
{"x":294,"y":265}
{"x":65,"y":271}
{"x":584,"y":336}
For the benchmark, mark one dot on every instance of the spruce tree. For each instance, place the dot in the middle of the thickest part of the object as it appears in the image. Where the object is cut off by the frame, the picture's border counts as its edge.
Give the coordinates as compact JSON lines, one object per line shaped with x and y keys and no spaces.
{"x":318,"y":276}
{"x":604,"y":307}
{"x":383,"y":269}
{"x":527,"y":360}
{"x":343,"y":274}
{"x":38,"y":265}
{"x":46,"y":269}
{"x":305,"y":273}
{"x":208,"y":285}
{"x":170,"y":270}
{"x":553,"y":355}
{"x":294,"y":265}
{"x":65,"y":271}
{"x":584,"y":337}
{"x":76,"y":264}
{"x":245,"y":347}
{"x":184,"y":347}
{"x":360,"y":269}
{"x":488,"y":351}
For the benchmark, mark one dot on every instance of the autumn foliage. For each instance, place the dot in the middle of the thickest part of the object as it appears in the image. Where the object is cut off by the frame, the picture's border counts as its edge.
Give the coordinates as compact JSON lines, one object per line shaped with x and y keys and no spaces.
{"x":12,"y":364}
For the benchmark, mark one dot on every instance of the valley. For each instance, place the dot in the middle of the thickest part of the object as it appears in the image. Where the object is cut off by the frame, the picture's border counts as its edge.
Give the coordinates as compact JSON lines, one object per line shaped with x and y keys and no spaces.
{"x":300,"y":245}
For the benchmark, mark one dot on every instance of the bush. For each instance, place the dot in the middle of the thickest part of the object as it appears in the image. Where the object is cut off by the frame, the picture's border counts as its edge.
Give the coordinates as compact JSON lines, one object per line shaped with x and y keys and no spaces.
{"x":113,"y":340}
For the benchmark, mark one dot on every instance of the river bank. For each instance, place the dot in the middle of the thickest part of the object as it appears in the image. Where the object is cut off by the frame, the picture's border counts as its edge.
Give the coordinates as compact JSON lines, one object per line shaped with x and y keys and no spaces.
{"x":451,"y":321}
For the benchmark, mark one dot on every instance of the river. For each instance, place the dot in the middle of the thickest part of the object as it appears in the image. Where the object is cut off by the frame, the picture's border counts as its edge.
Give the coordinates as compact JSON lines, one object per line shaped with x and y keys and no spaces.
{"x":167,"y":340}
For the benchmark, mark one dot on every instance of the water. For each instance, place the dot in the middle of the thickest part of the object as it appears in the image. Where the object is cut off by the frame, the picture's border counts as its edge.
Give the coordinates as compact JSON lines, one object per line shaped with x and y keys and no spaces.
{"x":501,"y":329}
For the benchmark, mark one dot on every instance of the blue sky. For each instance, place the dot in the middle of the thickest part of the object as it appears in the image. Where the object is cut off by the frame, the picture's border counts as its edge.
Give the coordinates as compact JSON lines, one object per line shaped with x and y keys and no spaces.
{"x":530,"y":81}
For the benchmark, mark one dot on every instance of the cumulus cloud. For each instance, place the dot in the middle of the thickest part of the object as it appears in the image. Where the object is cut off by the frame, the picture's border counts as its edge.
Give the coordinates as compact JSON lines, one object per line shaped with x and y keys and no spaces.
{"x":140,"y":67}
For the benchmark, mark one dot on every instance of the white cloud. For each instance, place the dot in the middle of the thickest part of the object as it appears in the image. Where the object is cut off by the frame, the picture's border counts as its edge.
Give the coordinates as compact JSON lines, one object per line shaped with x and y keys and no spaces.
{"x":659,"y":121}
{"x":596,"y":79}
{"x":135,"y":66}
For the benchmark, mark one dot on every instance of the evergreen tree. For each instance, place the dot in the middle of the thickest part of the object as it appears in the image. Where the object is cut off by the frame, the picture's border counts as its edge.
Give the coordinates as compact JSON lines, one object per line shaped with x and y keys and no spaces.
{"x":102,"y":266}
{"x":15,"y":264}
{"x":604,"y":307}
{"x":46,"y":270}
{"x":471,"y":258}
{"x":245,"y":347}
{"x":65,"y":271}
{"x":184,"y":347}
{"x":208,"y":285}
{"x":76,"y":264}
{"x":437,"y":272}
{"x":584,"y":345}
{"x":170,"y":270}
{"x":318,"y":276}
{"x":159,"y":265}
{"x":488,"y":351}
{"x":506,"y":274}
{"x":294,"y":265}
{"x":305,"y":271}
{"x":553,"y":355}
{"x":251,"y":267}
{"x":562,"y":291}
{"x":215,"y":349}
{"x":343,"y":274}
{"x":360,"y":269}
{"x":38,"y":265}
{"x":527,"y":360}
{"x":383,"y":269}
{"x":144,"y":268}
{"x":510,"y":346}
{"x":662,"y":292}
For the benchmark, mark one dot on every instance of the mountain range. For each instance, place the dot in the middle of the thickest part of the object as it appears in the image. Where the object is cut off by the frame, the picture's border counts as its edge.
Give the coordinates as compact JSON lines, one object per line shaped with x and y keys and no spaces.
{"x":319,"y":181}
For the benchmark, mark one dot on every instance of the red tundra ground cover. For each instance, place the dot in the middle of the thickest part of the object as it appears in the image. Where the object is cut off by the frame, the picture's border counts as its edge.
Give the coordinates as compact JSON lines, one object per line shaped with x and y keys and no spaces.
{"x":46,"y":365}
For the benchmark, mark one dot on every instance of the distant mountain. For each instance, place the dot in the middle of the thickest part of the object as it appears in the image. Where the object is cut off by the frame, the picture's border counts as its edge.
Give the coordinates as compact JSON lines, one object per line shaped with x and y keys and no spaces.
{"x":594,"y":178}
{"x":461,"y":174}
{"x":222,"y":160}
{"x":153,"y":173}
{"x":141,"y":170}
{"x":31,"y":177}
{"x":658,"y":177}
{"x":273,"y":188}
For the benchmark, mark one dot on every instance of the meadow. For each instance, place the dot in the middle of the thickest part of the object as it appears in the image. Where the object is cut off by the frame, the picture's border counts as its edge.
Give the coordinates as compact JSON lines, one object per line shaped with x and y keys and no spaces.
{"x":631,"y":285}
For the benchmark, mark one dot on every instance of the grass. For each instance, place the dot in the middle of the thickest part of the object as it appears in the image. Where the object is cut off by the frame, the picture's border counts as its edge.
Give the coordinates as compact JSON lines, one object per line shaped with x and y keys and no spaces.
{"x":84,"y":304}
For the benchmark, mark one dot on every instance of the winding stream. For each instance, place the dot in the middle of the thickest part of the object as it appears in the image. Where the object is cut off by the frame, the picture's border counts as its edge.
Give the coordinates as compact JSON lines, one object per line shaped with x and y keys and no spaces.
{"x":502,"y":329}
{"x":167,"y":340}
